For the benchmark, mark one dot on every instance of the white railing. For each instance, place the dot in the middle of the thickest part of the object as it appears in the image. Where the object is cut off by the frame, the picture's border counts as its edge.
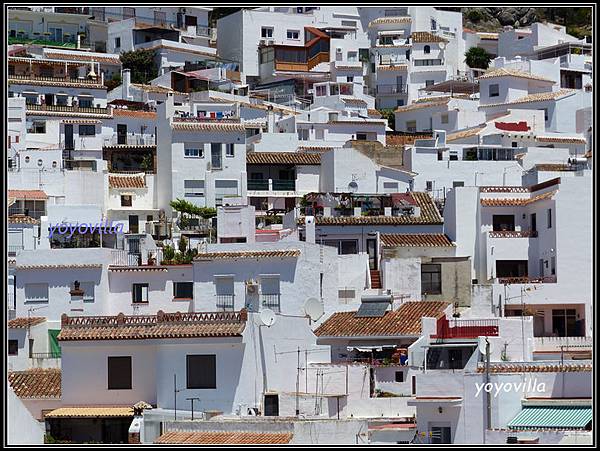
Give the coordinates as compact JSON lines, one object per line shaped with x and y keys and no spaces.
{"x":130,"y":140}
{"x":555,"y":343}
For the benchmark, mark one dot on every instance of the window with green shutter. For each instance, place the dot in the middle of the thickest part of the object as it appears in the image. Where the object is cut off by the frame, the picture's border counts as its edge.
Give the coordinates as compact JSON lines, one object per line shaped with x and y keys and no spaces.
{"x":54,"y":346}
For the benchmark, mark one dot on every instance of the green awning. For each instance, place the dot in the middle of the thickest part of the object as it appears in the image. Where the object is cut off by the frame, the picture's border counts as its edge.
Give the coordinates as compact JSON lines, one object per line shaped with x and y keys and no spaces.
{"x":553,"y":417}
{"x":54,"y":346}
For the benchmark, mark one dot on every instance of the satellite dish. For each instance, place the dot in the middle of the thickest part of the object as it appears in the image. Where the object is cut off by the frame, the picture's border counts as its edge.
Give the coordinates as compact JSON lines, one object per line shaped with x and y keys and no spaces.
{"x":352,"y":187}
{"x":482,"y":344}
{"x":313,"y":309}
{"x":267,"y":317}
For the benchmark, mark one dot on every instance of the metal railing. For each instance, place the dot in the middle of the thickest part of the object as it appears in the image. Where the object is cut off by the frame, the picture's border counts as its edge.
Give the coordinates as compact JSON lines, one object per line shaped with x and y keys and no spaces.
{"x":130,"y":140}
{"x":271,"y":301}
{"x":68,"y":109}
{"x":45,"y":355}
{"x":513,"y":234}
{"x":160,"y":317}
{"x":466,"y":328}
{"x":272,"y":185}
{"x":258,"y":185}
{"x":14,"y":248}
{"x":390,"y":89}
{"x":33,"y":77}
{"x":521,"y":280}
{"x":225,"y":301}
{"x":36,"y":214}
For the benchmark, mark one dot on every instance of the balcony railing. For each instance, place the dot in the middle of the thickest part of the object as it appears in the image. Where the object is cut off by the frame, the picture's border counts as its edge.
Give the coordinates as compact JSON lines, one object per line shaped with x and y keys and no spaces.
{"x":272,"y":185}
{"x":519,"y":280}
{"x":14,"y":248}
{"x":36,"y":214}
{"x":67,"y":109}
{"x":513,"y":234}
{"x":46,"y":355}
{"x":271,"y":301}
{"x":33,"y":77}
{"x":390,"y":89}
{"x":130,"y":140}
{"x":225,"y":302}
{"x":466,"y":328}
{"x":258,"y":185}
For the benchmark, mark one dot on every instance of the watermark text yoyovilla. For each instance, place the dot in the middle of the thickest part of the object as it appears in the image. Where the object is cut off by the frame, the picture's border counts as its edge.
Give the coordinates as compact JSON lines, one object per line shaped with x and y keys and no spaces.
{"x":84,"y":227}
{"x":507,"y":387}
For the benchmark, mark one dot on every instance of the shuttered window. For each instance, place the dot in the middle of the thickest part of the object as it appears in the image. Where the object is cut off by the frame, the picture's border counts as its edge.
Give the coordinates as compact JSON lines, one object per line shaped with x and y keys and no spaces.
{"x":119,"y":373}
{"x":201,"y":371}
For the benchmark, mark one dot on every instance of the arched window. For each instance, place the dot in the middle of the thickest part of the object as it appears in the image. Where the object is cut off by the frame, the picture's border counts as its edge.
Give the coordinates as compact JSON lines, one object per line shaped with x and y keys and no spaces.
{"x":26,"y":159}
{"x":54,"y":164}
{"x":427,"y":49}
{"x":40,"y":162}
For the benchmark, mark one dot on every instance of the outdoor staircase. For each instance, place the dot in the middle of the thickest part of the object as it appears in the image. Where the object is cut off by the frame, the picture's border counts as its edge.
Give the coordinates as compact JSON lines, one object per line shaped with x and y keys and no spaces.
{"x":375,"y":279}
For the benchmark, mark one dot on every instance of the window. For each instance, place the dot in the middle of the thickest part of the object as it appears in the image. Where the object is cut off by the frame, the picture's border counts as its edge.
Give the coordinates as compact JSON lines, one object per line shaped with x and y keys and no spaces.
{"x":37,"y":127}
{"x":456,"y":184}
{"x":40,"y":162}
{"x":193,"y":188}
{"x":27,"y":159}
{"x":333,"y":117}
{"x":88,"y":290}
{"x":427,"y":49}
{"x":433,"y":25}
{"x":270,"y":291}
{"x":400,"y":102}
{"x":411,"y":126}
{"x":87,"y":130}
{"x":117,"y":43}
{"x":350,"y":79}
{"x":128,"y":13}
{"x":429,"y":185}
{"x":444,"y":118}
{"x":390,"y":187}
{"x":139,"y":293}
{"x":494,"y":90}
{"x":303,"y":134}
{"x":361,"y":136}
{"x":349,"y":23}
{"x":86,"y":102}
{"x":293,"y":34}
{"x":13,"y":347}
{"x":201,"y":371}
{"x":126,"y":200}
{"x":503,"y":222}
{"x":428,"y":62}
{"x":54,"y":164}
{"x":36,"y":292}
{"x":553,"y":266}
{"x":344,"y":247}
{"x":216,"y":156}
{"x":429,"y":83}
{"x":321,"y":90}
{"x":515,"y":144}
{"x":229,"y":150}
{"x":194,"y":152}
{"x":549,"y":218}
{"x":119,"y":373}
{"x":183,"y":290}
{"x":545,"y":114}
{"x":352,"y":56}
{"x":431,"y":279}
{"x":225,"y":188}
{"x":399,"y":376}
{"x":266,"y":32}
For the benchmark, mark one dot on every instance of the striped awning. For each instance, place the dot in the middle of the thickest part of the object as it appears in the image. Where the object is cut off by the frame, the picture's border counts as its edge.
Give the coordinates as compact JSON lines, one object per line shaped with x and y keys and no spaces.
{"x":552,"y":417}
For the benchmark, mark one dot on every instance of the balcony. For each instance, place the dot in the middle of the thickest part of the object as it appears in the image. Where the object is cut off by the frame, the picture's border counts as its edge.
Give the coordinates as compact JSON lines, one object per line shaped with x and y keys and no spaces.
{"x":513,"y":234}
{"x":271,"y":301}
{"x":18,"y":210}
{"x":271,"y":185}
{"x":525,"y":280}
{"x":225,"y":302}
{"x":130,"y":140}
{"x":46,"y":355}
{"x":390,"y":89}
{"x":68,"y":109}
{"x":13,"y":249}
{"x":33,"y":77}
{"x":465,"y":328}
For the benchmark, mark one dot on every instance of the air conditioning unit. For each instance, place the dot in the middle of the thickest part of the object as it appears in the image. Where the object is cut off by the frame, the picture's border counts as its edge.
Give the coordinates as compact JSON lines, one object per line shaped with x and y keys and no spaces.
{"x":270,"y":41}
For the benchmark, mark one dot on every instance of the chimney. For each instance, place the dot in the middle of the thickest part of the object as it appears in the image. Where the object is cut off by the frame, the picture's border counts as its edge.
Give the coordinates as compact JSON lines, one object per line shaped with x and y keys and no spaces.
{"x":76,"y":303}
{"x":309,"y":222}
{"x":126,"y":83}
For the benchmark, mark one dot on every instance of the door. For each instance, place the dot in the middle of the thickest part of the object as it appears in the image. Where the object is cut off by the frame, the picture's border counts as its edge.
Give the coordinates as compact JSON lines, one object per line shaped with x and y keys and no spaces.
{"x":121,"y":133}
{"x":503,"y":223}
{"x":69,"y":145}
{"x":441,"y":435}
{"x":49,"y":99}
{"x":399,"y":83}
{"x":133,"y":224}
{"x":271,"y":405}
{"x":533,"y":222}
{"x":372,"y":251}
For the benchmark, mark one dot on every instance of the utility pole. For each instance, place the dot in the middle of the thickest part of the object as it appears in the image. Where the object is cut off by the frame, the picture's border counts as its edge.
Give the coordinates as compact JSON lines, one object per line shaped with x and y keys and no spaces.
{"x":298,"y":385}
{"x":175,"y":391}
{"x":523,"y":321}
{"x":487,"y":380}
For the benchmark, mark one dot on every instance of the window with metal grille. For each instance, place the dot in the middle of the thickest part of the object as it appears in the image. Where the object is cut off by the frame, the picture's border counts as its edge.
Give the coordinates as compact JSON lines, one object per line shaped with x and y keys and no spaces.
{"x":119,"y":373}
{"x":87,"y":130}
{"x":126,"y":200}
{"x":201,"y":371}
{"x":36,"y":292}
{"x":193,"y":188}
{"x":183,"y":290}
{"x":494,"y":90}
{"x":431,"y":279}
{"x":13,"y":347}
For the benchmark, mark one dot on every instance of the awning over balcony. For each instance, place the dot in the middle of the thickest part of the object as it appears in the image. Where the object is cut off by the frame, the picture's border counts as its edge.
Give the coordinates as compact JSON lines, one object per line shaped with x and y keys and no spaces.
{"x":552,"y":417}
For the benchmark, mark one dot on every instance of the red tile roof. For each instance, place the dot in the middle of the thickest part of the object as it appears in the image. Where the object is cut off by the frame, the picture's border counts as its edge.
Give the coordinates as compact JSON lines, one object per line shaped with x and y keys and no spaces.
{"x":161,"y":325}
{"x":123,"y":112}
{"x":415,"y":240}
{"x":406,"y":321}
{"x":112,"y":59}
{"x":36,"y":383}
{"x":24,"y":322}
{"x":28,"y":194}
{"x":514,"y":202}
{"x":225,"y":437}
{"x":126,"y":181}
{"x":22,"y":219}
{"x":284,"y":253}
{"x":536,"y":368}
{"x":283,"y":158}
{"x":426,"y":37}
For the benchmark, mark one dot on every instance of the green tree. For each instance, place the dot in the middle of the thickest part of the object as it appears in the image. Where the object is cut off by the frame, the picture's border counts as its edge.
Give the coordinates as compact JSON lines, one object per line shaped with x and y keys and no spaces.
{"x":390,"y":116}
{"x":141,"y":63}
{"x":477,"y":58}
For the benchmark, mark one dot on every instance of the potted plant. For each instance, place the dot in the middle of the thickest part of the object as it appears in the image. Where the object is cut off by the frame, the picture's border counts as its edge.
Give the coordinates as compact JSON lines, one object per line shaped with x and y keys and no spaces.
{"x":151,"y":259}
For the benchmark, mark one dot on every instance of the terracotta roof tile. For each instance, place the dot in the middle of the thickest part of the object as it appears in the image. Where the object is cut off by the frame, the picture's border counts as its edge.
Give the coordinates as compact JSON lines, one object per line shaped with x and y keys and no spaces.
{"x":398,"y":67}
{"x":422,"y":37}
{"x":127,"y":181}
{"x":315,"y":148}
{"x":558,"y":167}
{"x":420,"y":105}
{"x":28,"y":194}
{"x":464,"y":134}
{"x":415,"y":240}
{"x":405,"y":321}
{"x":507,"y":72}
{"x":537,"y":368}
{"x":488,"y":36}
{"x":374,"y":113}
{"x":63,"y":266}
{"x":225,"y":437}
{"x":209,"y":126}
{"x":161,"y":325}
{"x":156,"y":89}
{"x":60,"y":84}
{"x":286,"y":253}
{"x":296,"y":158}
{"x":539,"y":97}
{"x":24,"y":322}
{"x":561,"y":139}
{"x":22,"y":219}
{"x":429,"y":214}
{"x":36,"y":383}
{"x":112,"y":59}
{"x":515,"y":202}
{"x":386,"y":20}
{"x":124,"y":112}
{"x":403,"y":140}
{"x":354,"y":101}
{"x":91,"y":412}
{"x":81,"y":121}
